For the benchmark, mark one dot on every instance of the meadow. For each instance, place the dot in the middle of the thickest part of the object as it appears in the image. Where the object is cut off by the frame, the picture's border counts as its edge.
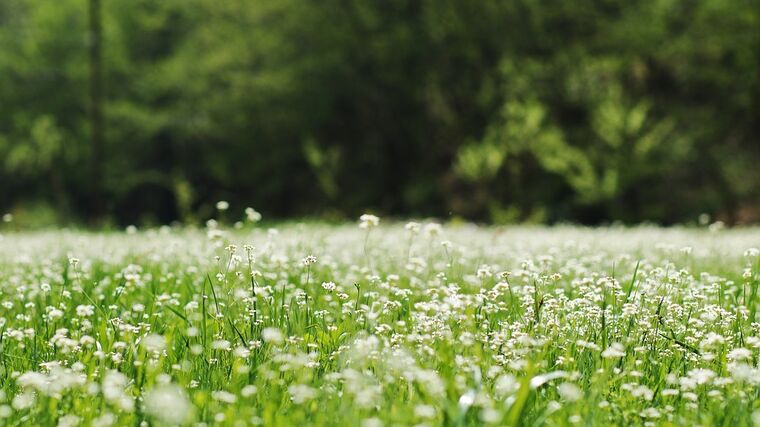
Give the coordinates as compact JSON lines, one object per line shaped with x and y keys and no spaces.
{"x":380,"y":324}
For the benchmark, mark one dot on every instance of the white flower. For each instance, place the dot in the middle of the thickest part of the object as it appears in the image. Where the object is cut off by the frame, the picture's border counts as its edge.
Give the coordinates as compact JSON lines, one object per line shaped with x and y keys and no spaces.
{"x":271,"y":335}
{"x":248,"y":391}
{"x":484,"y":272}
{"x":368,"y":221}
{"x":466,"y":400}
{"x":614,"y":351}
{"x":5,"y":411}
{"x":424,"y":411}
{"x":23,"y":400}
{"x":743,"y":372}
{"x":650,"y":413}
{"x":739,"y":354}
{"x":490,"y":415}
{"x":68,"y":421}
{"x":153,"y":343}
{"x":643,"y":392}
{"x":540,"y":380}
{"x":412,"y":227}
{"x":587,"y":344}
{"x":221,"y":345}
{"x":252,"y":214}
{"x":114,"y":384}
{"x":105,"y":420}
{"x":36,"y":380}
{"x":224,"y":396}
{"x":242,"y":352}
{"x":328,"y":286}
{"x":570,"y":392}
{"x":433,"y":229}
{"x":701,"y":376}
{"x":506,"y":384}
{"x":300,"y":393}
{"x":85,"y":310}
{"x":168,"y":403}
{"x":222,"y":205}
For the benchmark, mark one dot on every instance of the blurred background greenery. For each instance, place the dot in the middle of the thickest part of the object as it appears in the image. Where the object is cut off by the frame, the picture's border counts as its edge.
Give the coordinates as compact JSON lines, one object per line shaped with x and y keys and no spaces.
{"x":145,"y":111}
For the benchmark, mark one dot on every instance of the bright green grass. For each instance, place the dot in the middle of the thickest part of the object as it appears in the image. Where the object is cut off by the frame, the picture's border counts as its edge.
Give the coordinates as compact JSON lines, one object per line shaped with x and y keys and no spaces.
{"x":466,"y":326}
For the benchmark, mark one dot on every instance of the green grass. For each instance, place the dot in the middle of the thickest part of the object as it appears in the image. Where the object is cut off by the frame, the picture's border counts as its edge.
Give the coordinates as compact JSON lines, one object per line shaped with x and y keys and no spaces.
{"x":389,"y":326}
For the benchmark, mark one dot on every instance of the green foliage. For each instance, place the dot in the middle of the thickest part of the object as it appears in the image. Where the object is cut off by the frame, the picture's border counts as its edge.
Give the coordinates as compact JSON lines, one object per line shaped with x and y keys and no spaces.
{"x":590,"y":111}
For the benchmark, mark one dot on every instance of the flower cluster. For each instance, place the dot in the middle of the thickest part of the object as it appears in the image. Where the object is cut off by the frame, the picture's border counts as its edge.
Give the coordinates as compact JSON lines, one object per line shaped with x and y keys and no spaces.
{"x":423,"y":324}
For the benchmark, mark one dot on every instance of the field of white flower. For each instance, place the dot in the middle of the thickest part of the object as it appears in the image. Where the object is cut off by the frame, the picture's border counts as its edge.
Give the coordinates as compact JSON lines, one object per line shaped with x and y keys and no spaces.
{"x":380,"y":325}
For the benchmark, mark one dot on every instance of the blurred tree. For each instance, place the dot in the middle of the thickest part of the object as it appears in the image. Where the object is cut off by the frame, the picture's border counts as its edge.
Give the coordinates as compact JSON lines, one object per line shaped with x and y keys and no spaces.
{"x":95,"y":42}
{"x":493,"y":110}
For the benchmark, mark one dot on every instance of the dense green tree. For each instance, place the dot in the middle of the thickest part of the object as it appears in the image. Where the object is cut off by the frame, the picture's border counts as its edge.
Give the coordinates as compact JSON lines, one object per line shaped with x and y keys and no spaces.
{"x":511,"y":110}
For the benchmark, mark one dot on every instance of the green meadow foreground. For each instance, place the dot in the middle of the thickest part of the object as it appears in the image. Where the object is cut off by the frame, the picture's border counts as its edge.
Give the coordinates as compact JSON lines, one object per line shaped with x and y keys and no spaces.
{"x":380,"y":325}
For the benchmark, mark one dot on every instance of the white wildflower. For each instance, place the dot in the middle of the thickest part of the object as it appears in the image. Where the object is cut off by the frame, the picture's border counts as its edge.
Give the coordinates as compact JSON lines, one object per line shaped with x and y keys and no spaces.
{"x":168,"y":403}
{"x":367,"y":221}
{"x":271,"y":335}
{"x":570,"y":392}
{"x":252,"y":215}
{"x":614,"y":351}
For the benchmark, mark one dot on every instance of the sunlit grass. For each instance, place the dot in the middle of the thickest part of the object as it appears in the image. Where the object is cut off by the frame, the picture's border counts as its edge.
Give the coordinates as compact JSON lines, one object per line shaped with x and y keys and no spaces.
{"x":380,"y":324}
